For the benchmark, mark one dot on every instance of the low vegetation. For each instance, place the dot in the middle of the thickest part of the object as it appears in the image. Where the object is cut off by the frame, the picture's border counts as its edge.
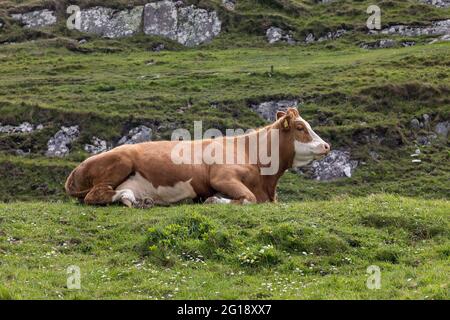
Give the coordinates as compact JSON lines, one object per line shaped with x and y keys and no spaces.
{"x":314,"y":249}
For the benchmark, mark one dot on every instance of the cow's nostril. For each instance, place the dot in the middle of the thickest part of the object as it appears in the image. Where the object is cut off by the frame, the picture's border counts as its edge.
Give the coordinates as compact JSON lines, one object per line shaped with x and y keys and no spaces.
{"x":326,"y":146}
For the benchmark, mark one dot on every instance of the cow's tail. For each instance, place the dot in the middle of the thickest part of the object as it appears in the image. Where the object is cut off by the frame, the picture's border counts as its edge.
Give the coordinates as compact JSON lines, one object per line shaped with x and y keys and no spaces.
{"x":72,"y":187}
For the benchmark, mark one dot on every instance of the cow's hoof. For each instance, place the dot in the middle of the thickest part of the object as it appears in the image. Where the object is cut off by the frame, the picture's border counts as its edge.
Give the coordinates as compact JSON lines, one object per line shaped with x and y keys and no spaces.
{"x":144,"y":203}
{"x":216,"y":200}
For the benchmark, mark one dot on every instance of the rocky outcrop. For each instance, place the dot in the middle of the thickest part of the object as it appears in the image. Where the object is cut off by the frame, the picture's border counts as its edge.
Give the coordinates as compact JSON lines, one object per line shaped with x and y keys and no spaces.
{"x":59,"y":144}
{"x":97,"y":146}
{"x":268,"y":109}
{"x":25,"y":127}
{"x":386,"y":43}
{"x":436,"y":29}
{"x":332,"y":35}
{"x":137,"y":135}
{"x":110,"y":23}
{"x":336,"y":165}
{"x":189,"y":26}
{"x":274,"y":34}
{"x":36,"y":19}
{"x":440,"y":39}
{"x":438,"y":3}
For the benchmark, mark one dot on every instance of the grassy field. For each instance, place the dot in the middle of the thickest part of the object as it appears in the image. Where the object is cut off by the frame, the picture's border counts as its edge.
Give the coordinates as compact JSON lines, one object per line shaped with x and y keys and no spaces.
{"x":309,"y":250}
{"x":321,"y":237}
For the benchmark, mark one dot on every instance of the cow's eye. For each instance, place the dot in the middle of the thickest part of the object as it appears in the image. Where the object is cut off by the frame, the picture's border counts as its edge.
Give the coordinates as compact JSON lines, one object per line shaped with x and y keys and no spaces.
{"x":300,"y":128}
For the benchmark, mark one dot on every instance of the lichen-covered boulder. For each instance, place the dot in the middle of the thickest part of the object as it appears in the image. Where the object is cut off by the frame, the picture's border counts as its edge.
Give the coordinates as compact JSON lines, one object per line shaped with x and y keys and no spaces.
{"x":137,"y":135}
{"x":110,"y":23}
{"x":337,"y":164}
{"x":97,"y":146}
{"x":189,"y":26}
{"x":275,"y":34}
{"x":437,"y":28}
{"x":58,"y":145}
{"x":332,"y":35}
{"x":268,"y":109}
{"x":25,"y":127}
{"x":36,"y":19}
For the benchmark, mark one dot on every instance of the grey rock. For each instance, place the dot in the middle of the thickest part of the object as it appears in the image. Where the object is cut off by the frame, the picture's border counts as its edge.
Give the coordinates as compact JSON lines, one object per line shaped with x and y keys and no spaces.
{"x":137,"y":135}
{"x":374,"y":155}
{"x":275,"y":34}
{"x":332,"y":35}
{"x":426,"y":120}
{"x":110,"y":23}
{"x":189,"y":26}
{"x":440,"y":39}
{"x":158,"y":47}
{"x":310,"y":38}
{"x":437,"y":28}
{"x":415,"y":124}
{"x":380,"y":44}
{"x":426,"y":140}
{"x":408,"y":43}
{"x":58,"y":145}
{"x":22,"y":128}
{"x":337,"y":164}
{"x":229,"y":4}
{"x":442,"y":129}
{"x":36,"y":19}
{"x":268,"y":109}
{"x":98,"y":146}
{"x":438,"y":3}
{"x":20,"y":152}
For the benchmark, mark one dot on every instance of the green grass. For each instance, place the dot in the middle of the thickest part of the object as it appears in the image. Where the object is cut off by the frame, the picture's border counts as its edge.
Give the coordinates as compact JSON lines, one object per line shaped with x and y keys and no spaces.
{"x":315,"y":244}
{"x":308,"y":250}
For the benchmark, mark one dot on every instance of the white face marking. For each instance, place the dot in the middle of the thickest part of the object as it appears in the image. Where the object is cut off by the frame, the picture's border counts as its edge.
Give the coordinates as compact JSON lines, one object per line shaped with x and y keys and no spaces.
{"x":307,"y":152}
{"x":141,"y":189}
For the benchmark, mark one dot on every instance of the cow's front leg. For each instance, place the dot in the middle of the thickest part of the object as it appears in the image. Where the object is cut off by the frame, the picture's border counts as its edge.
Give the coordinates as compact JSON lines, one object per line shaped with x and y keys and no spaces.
{"x":234,"y":191}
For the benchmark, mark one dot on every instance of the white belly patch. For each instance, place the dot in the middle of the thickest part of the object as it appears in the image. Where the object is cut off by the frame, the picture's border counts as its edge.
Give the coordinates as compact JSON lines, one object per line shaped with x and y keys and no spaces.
{"x":141,"y":188}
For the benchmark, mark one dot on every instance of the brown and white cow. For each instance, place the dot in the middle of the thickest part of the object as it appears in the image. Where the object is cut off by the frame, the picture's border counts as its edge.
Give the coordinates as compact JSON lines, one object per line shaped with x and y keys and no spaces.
{"x":144,"y":174}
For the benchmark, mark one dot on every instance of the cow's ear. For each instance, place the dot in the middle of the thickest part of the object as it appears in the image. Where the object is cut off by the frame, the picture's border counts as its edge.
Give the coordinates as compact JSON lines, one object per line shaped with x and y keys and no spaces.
{"x":280,"y":114}
{"x":286,"y":122}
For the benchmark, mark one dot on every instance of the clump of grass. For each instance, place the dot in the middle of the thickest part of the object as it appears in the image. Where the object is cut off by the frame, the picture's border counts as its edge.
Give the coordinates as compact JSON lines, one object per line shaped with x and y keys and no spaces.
{"x":259,"y":256}
{"x":193,"y":235}
{"x":388,"y":254}
{"x":296,"y":238}
{"x":417,"y":229}
{"x":5,"y":294}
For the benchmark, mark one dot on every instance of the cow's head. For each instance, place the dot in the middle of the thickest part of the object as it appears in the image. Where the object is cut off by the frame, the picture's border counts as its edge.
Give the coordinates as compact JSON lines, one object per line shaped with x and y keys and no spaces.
{"x":307,"y":145}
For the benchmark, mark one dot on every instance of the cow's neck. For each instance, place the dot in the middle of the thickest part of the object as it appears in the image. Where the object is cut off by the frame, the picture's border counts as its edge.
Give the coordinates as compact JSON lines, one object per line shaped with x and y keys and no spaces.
{"x":286,"y":156}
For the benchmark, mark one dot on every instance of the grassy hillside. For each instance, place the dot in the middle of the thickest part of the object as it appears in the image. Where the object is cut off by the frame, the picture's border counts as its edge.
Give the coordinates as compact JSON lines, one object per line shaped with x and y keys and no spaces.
{"x":317,"y":243}
{"x":348,"y":94}
{"x":306,"y":250}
